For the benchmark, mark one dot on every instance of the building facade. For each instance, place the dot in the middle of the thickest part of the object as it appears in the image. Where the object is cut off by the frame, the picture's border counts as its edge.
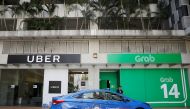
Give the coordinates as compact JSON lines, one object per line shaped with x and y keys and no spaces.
{"x":46,"y":53}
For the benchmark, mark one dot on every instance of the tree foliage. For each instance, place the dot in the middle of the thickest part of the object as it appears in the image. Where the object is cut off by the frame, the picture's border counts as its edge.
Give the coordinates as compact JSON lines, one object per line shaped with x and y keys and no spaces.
{"x":112,"y":12}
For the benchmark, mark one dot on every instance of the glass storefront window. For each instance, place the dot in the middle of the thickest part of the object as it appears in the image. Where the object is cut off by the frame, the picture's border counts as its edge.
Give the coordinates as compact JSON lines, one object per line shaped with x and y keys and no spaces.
{"x":21,"y":87}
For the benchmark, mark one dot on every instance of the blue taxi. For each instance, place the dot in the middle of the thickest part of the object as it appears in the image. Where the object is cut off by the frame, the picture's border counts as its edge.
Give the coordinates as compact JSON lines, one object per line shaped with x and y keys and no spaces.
{"x":96,"y":99}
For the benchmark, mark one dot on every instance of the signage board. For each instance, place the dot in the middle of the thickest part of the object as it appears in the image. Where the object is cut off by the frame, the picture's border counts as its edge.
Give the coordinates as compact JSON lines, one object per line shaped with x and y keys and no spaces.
{"x":54,"y":86}
{"x":44,"y":58}
{"x":144,"y":58}
{"x":159,"y":87}
{"x":83,"y":83}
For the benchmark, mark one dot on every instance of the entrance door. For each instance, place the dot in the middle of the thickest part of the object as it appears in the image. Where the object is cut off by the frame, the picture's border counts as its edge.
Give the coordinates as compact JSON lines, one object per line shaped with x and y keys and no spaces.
{"x":109,"y":79}
{"x":21,"y":87}
{"x":78,"y":80}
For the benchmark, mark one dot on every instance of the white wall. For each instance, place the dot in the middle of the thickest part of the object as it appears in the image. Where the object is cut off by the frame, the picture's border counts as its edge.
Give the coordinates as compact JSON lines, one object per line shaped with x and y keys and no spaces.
{"x":93,"y":48}
{"x":54,"y":75}
{"x":3,"y":58}
{"x":93,"y":78}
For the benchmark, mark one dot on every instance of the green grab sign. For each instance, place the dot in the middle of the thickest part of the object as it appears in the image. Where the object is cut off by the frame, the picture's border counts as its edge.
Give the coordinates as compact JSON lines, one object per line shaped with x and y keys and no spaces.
{"x":144,"y":58}
{"x":159,"y":87}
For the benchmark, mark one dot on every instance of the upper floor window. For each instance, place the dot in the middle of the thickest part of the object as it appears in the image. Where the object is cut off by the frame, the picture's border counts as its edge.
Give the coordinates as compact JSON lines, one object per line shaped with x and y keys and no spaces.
{"x":57,"y":24}
{"x":152,"y":1}
{"x":62,"y":1}
{"x":132,"y":23}
{"x":8,"y":24}
{"x":184,"y":10}
{"x":9,"y":2}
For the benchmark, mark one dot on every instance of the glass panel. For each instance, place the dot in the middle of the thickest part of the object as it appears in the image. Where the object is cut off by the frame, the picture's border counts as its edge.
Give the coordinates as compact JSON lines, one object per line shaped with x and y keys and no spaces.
{"x":92,"y":95}
{"x":78,"y":80}
{"x":21,"y":87}
{"x":113,"y":96}
{"x":8,"y":24}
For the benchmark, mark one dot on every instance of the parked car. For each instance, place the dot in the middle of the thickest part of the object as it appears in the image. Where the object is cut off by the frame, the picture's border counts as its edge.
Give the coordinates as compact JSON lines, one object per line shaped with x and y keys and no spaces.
{"x":96,"y":99}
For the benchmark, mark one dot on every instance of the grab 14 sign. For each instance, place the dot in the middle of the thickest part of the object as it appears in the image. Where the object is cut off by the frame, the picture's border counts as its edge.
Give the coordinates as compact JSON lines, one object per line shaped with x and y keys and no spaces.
{"x":170,"y":87}
{"x":172,"y":92}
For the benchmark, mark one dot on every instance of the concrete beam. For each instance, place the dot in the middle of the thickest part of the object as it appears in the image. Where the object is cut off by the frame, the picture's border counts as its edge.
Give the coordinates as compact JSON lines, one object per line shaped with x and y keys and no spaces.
{"x":91,"y":33}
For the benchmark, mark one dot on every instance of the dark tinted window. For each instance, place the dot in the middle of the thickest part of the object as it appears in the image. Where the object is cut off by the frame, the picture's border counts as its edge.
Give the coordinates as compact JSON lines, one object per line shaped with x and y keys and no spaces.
{"x":8,"y":24}
{"x":9,"y":2}
{"x":180,"y":25}
{"x":133,"y":23}
{"x":57,"y":24}
{"x":180,"y":12}
{"x":91,"y":95}
{"x":153,"y":1}
{"x":184,"y":10}
{"x":63,"y":1}
{"x":78,"y":96}
{"x":113,"y":96}
{"x":172,"y":19}
{"x":177,"y":4}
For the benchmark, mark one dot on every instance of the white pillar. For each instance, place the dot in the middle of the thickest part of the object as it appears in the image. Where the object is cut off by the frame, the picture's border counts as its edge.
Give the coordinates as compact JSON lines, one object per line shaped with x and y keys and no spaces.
{"x":54,"y":75}
{"x":93,"y":78}
{"x":93,"y":26}
{"x":20,"y":23}
{"x":93,"y":46}
{"x":187,"y":46}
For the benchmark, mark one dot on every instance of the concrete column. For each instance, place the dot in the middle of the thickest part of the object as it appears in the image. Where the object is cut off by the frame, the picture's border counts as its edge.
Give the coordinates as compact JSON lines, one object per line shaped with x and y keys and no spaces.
{"x":54,"y":75}
{"x":93,"y":26}
{"x":93,"y":78}
{"x":1,"y":47}
{"x":20,"y":24}
{"x":187,"y":43}
{"x":93,"y":46}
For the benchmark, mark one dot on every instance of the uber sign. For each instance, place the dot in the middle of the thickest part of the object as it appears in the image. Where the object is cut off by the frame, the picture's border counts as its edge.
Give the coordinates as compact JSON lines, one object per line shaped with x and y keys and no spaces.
{"x":54,"y":86}
{"x":49,"y":58}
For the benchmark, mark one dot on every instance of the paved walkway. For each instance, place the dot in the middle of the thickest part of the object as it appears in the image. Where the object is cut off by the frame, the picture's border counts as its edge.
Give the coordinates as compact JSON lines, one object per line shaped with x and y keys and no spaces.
{"x":21,"y":107}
